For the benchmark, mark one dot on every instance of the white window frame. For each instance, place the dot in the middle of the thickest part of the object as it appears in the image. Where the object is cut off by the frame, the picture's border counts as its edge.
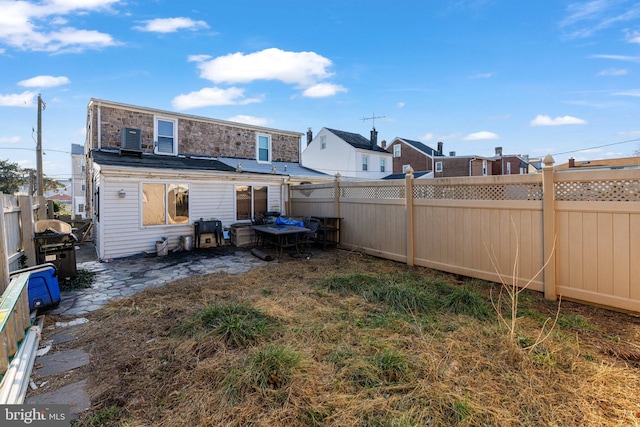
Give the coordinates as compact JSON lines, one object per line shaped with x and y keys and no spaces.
{"x":323,"y":142}
{"x":263,"y":135}
{"x":484,"y":168}
{"x":397,"y":150}
{"x":508,"y":168}
{"x":404,"y":168}
{"x":383,"y":164}
{"x":439,"y":167}
{"x":167,"y":216}
{"x":365,"y":163}
{"x":253,"y":205}
{"x":157,"y":119}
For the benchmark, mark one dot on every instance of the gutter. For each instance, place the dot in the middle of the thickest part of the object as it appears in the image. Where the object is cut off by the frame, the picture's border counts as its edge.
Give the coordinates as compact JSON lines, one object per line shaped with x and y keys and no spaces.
{"x":16,"y":380}
{"x":99,"y":125}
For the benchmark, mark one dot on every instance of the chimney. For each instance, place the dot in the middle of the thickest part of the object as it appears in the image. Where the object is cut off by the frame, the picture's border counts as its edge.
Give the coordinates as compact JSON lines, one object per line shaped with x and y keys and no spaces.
{"x":384,"y":144}
{"x":572,"y":162}
{"x":309,"y":136}
{"x":498,"y":151}
{"x":440,"y":146}
{"x":374,"y":138}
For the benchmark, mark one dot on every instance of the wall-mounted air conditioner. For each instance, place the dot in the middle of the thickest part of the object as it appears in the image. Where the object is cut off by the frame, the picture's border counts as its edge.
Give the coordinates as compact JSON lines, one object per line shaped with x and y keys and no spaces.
{"x":131,"y":141}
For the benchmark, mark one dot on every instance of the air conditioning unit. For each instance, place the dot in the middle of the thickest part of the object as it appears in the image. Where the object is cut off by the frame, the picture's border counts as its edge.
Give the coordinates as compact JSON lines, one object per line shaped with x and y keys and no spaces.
{"x":131,"y":141}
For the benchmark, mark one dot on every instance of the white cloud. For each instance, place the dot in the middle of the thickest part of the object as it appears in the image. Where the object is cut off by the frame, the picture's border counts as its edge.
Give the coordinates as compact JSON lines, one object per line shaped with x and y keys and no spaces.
{"x":630,"y":92}
{"x":400,"y":104}
{"x":198,"y":58}
{"x":482,"y":135}
{"x":44,"y":81}
{"x":171,"y":25}
{"x":323,"y":90}
{"x":21,"y":25}
{"x":9,"y":139}
{"x":302,"y":68}
{"x":481,"y":76}
{"x":586,"y":18}
{"x":542,"y":120}
{"x":212,"y":96}
{"x":625,"y":58}
{"x":24,"y":99}
{"x":81,"y":132}
{"x":633,"y":37}
{"x":632,"y":133}
{"x":613,"y":72}
{"x":250,"y":120}
{"x":427,"y":137}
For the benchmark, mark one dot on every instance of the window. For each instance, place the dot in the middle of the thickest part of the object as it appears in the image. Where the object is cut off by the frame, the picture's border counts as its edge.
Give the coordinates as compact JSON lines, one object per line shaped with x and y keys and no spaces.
{"x":81,"y":207}
{"x":508,"y":168}
{"x":166,"y":136}
{"x":484,"y":168}
{"x":251,"y":201}
{"x":438,"y":166}
{"x":365,"y":163}
{"x":404,"y":168}
{"x":263,"y":146}
{"x":165,"y":204}
{"x":397,"y":150}
{"x":323,"y":142}
{"x":382,"y":165}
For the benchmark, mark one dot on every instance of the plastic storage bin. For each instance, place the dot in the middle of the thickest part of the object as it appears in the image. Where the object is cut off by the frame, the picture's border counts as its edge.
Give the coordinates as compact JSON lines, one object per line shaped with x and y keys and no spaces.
{"x":43,"y":287}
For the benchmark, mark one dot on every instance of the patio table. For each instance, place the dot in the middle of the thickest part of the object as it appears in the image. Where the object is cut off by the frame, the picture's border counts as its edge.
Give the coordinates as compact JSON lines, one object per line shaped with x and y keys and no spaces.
{"x":281,"y":236}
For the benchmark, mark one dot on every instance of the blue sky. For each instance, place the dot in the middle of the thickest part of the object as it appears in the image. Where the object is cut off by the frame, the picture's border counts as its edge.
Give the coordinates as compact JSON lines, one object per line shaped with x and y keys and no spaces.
{"x":534,"y":77}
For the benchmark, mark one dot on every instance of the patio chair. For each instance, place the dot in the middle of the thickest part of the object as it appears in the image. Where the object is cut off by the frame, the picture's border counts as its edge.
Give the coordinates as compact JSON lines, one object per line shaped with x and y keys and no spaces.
{"x":310,"y":236}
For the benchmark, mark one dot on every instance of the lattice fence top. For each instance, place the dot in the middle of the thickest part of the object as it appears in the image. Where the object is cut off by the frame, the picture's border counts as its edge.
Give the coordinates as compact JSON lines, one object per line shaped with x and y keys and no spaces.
{"x":373,"y":192}
{"x":523,"y":191}
{"x":615,"y":190}
{"x":322,"y":193}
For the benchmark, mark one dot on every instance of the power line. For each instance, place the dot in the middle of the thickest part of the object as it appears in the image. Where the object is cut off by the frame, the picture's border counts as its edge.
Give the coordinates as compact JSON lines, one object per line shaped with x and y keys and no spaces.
{"x":599,"y":146}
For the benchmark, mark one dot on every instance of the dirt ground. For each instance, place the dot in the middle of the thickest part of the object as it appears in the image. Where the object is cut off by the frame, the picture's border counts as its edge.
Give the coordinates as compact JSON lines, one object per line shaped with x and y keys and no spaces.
{"x":347,"y":359}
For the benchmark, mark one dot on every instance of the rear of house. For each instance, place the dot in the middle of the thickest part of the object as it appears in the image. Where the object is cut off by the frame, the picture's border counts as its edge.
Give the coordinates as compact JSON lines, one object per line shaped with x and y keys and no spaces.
{"x":153,"y":173}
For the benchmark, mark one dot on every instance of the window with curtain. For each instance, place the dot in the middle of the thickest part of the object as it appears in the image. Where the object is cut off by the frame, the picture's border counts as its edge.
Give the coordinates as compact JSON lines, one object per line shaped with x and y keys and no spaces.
{"x":165,"y":204}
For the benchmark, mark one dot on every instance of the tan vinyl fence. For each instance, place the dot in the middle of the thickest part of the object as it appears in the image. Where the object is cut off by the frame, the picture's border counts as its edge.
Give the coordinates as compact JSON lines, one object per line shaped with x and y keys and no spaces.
{"x":585,"y":224}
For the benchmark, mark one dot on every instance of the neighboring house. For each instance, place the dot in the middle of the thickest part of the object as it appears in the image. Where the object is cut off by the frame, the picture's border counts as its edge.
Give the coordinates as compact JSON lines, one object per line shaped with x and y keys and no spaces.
{"x":412,"y":153}
{"x":78,"y":180}
{"x":473,"y":165}
{"x":618,"y":163}
{"x":509,"y":164}
{"x":65,"y":201}
{"x":452,"y":166}
{"x":153,"y":173}
{"x":351,"y":155}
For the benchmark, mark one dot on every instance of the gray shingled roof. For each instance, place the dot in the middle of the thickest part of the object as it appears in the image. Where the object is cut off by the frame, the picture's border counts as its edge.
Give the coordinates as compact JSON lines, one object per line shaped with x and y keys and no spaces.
{"x":162,"y":162}
{"x":356,"y":140}
{"x":420,"y":146}
{"x":282,"y":168}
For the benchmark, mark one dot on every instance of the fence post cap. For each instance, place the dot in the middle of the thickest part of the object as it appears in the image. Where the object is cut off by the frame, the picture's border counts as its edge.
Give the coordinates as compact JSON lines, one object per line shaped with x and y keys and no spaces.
{"x":548,"y":160}
{"x":409,"y":171}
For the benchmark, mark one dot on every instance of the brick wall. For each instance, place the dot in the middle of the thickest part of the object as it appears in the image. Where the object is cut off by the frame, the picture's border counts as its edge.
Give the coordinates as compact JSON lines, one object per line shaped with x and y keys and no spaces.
{"x":194,"y":136}
{"x":410,"y":156}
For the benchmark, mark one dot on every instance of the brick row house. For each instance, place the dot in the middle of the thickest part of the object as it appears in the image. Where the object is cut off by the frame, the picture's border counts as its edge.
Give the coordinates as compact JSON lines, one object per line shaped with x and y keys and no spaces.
{"x":152,"y":173}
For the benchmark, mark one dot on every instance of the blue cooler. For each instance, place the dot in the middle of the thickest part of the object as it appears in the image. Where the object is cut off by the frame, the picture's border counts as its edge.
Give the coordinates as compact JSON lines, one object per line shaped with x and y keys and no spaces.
{"x":43,"y":288}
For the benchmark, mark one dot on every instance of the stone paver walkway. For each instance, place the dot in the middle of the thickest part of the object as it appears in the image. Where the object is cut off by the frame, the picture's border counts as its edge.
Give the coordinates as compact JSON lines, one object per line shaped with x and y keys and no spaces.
{"x":128,"y":276}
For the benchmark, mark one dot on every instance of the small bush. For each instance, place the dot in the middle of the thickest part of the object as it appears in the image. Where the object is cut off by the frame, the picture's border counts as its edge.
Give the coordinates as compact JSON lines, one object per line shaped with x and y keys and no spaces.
{"x":83,"y":280}
{"x":465,"y":300}
{"x":237,"y":325}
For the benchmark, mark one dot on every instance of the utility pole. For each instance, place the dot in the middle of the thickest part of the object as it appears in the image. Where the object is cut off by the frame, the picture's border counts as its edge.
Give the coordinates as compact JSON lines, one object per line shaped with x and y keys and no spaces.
{"x":39,"y":179}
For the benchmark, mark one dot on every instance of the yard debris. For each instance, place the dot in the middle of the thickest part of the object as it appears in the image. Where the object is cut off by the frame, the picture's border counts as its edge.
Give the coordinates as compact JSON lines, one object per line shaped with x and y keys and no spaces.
{"x":74,"y":322}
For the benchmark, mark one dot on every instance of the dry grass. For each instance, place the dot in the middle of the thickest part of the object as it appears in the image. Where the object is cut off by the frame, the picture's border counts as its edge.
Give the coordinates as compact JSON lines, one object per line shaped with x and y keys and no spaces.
{"x":356,"y":341}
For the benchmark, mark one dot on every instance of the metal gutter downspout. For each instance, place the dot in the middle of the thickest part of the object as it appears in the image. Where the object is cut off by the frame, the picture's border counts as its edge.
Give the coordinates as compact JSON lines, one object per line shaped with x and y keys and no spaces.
{"x":470,"y":169}
{"x":16,"y":379}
